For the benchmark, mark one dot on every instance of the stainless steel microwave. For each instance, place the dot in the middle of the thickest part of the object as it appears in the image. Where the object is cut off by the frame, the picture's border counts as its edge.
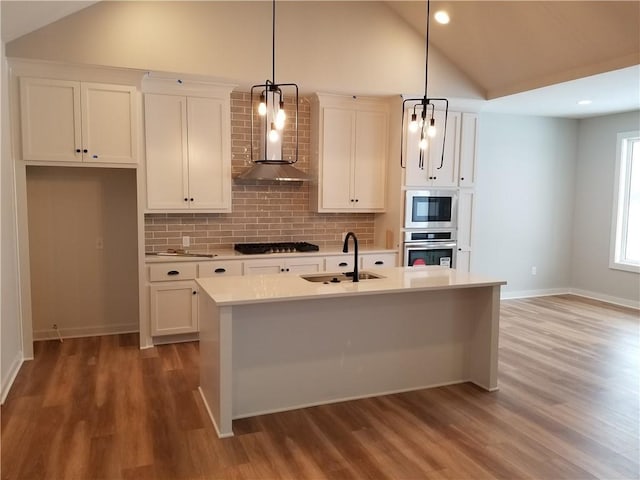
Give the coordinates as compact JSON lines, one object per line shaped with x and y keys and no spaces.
{"x":430,"y":209}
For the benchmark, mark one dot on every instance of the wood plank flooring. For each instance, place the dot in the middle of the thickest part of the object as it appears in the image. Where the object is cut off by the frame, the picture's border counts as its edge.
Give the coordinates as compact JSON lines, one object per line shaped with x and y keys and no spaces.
{"x":567,"y":408}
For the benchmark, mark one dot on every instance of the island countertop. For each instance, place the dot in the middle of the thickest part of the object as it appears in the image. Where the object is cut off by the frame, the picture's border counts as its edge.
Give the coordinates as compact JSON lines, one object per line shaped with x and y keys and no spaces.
{"x":251,"y":289}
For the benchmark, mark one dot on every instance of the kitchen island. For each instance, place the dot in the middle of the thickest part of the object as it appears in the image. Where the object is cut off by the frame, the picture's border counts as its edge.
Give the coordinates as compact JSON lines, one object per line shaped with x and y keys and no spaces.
{"x":270,"y":343}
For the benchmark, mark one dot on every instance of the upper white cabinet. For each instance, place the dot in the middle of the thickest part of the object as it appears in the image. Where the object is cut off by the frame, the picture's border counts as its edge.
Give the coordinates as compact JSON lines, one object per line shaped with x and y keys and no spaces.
{"x":436,"y":170}
{"x":188,"y":151}
{"x":468,"y":149}
{"x":349,"y":144}
{"x":70,"y":121}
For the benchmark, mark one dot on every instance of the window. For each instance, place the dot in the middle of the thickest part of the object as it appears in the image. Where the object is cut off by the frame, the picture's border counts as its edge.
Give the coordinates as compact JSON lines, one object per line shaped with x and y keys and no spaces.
{"x":625,"y":244}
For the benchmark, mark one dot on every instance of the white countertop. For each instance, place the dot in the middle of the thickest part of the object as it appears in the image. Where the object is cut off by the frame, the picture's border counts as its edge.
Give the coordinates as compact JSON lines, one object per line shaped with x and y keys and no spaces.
{"x":239,"y":290}
{"x":230,"y":254}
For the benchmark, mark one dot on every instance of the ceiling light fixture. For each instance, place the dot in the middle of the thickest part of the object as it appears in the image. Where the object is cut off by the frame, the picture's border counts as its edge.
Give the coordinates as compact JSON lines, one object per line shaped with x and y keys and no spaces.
{"x":422,"y":125}
{"x":273,"y":127}
{"x":442,"y":17}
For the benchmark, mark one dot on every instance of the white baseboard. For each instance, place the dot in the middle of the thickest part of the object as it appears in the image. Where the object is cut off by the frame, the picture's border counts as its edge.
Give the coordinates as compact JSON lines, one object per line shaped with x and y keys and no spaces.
{"x":533,"y":293}
{"x":76,"y":332}
{"x":178,"y":338}
{"x":11,"y":376}
{"x":623,"y":302}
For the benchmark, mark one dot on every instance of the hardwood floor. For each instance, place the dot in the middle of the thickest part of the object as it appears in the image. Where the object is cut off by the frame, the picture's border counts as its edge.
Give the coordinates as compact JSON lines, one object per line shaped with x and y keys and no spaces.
{"x":100,"y":408}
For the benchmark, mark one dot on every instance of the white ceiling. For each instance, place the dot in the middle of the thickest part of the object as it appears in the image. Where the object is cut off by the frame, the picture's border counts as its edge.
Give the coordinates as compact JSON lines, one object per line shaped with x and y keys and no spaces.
{"x":610,"y":92}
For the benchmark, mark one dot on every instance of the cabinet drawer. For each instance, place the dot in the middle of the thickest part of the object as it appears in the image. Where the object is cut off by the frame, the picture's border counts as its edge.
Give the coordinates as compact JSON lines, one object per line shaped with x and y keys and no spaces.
{"x":172,"y":271}
{"x":339,"y":263}
{"x":379,"y":261}
{"x":213,"y":269}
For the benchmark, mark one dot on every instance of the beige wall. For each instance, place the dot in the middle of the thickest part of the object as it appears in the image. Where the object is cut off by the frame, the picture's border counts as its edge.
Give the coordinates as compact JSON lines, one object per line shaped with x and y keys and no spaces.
{"x":348,"y":47}
{"x":84,"y":288}
{"x":262,"y":212}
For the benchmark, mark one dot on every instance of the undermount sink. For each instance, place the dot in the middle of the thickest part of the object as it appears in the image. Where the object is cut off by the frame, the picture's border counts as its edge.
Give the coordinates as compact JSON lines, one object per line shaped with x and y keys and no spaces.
{"x":339,"y":277}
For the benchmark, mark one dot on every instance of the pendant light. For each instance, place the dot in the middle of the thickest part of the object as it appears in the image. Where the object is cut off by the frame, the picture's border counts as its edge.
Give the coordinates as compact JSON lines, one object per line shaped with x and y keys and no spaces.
{"x":271,"y":124}
{"x":422,"y":125}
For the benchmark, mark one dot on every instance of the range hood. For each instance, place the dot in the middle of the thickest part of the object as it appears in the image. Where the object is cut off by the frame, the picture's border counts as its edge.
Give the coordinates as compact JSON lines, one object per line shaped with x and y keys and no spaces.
{"x":278,"y":170}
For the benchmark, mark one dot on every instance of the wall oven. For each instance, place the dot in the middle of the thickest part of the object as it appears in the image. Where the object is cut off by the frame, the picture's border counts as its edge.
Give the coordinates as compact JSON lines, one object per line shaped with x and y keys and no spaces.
{"x":431,"y":247}
{"x":430,"y":209}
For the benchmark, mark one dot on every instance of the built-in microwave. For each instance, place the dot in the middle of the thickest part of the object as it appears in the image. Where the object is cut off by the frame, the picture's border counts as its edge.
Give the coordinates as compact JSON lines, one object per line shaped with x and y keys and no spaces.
{"x":430,"y":209}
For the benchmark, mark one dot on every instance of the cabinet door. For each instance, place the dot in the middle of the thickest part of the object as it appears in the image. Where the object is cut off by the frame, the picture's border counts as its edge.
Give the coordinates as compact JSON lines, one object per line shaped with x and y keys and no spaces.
{"x":109,"y":123}
{"x":370,"y":160}
{"x":174,"y":308}
{"x":444,"y":172}
{"x":263,"y":266}
{"x":468,"y":149}
{"x":304,"y":265}
{"x":337,"y":154}
{"x":51,"y":120}
{"x":465,"y":229}
{"x":218,"y":268}
{"x":209,"y":167}
{"x":166,"y":141}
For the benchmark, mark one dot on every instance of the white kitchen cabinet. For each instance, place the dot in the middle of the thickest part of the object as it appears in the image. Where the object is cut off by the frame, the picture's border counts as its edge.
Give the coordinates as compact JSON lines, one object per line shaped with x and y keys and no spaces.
{"x":436,"y":171}
{"x":339,"y":263}
{"x":468,"y":149}
{"x":378,"y":260}
{"x":349,"y":143}
{"x":188,"y":153}
{"x":301,"y":264}
{"x":173,"y":297}
{"x":70,"y":121}
{"x":219,"y":267}
{"x":174,"y":308}
{"x":465,"y":229}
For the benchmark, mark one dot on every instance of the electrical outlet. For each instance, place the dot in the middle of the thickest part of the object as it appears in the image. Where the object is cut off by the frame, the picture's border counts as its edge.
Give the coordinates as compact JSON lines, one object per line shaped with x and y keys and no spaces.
{"x":186,"y":241}
{"x":534,"y":270}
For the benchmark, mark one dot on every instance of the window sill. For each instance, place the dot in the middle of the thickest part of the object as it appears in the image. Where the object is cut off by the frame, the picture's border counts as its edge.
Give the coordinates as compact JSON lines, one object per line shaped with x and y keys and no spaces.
{"x":627,"y":267}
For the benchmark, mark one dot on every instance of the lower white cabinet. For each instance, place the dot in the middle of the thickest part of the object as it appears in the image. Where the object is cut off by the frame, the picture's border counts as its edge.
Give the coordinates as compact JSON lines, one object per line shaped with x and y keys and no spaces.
{"x":339,"y":263}
{"x":174,"y":307}
{"x":283,"y":265}
{"x":219,"y":267}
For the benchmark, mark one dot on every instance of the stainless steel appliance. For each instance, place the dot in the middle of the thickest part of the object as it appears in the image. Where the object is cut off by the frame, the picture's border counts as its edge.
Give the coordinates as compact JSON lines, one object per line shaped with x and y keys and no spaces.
{"x":275,"y":247}
{"x":430,"y":209}
{"x":430,"y":247}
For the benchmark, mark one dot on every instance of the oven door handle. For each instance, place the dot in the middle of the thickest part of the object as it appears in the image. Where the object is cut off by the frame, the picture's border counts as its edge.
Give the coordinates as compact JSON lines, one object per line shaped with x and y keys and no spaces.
{"x":414,"y":246}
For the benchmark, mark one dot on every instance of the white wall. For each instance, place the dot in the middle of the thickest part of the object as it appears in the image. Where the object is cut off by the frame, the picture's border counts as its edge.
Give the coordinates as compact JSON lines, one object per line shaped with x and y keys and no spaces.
{"x":10,"y":320}
{"x":524,"y":202}
{"x":590,"y":273}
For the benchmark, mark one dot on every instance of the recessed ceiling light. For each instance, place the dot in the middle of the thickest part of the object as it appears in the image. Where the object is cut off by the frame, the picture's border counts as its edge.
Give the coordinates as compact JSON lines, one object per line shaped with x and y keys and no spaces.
{"x":584,"y":102}
{"x":442,"y":17}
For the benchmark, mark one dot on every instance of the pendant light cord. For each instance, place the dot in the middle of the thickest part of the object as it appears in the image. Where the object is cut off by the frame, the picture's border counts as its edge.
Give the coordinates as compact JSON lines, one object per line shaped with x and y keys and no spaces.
{"x":426,"y":61}
{"x":273,"y":44}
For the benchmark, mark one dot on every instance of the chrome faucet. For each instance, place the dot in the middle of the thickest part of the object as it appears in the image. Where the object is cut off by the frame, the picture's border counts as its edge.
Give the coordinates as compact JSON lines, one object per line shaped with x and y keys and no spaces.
{"x":345,"y":249}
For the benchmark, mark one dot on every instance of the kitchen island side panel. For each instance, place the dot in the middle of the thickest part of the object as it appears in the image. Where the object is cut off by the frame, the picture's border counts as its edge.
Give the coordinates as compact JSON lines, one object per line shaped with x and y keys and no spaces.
{"x":215,"y":363}
{"x":299,"y":353}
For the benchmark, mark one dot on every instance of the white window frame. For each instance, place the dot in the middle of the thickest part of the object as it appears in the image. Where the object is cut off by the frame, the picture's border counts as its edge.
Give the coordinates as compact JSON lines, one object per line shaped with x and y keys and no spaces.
{"x":621,"y":204}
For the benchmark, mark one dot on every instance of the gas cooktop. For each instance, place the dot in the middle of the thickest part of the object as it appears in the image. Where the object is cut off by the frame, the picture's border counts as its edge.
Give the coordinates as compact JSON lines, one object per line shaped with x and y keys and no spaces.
{"x":275,"y":247}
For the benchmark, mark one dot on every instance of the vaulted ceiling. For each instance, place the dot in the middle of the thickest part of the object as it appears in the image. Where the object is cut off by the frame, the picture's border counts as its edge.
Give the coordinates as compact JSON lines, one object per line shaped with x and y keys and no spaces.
{"x":504,"y":47}
{"x":507,"y":47}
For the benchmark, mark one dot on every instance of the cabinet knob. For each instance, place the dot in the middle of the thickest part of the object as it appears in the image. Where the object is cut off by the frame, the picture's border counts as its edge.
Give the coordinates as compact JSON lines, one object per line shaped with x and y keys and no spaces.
{"x":78,"y":150}
{"x":94,"y":156}
{"x":186,"y":199}
{"x":85,"y":151}
{"x":461,"y":178}
{"x":342,"y":264}
{"x":459,"y":249}
{"x":357,"y":200}
{"x":220,"y":270}
{"x":173,"y":272}
{"x":379,"y":262}
{"x":287,"y":269}
{"x":191,"y":199}
{"x":351,"y":200}
{"x":194,"y":292}
{"x":282,"y":269}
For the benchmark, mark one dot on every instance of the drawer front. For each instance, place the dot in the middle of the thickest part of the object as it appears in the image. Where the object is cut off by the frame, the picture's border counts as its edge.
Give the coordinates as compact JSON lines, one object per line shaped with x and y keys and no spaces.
{"x":214,"y":269}
{"x":166,"y":272}
{"x":379,"y":261}
{"x":339,"y":263}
